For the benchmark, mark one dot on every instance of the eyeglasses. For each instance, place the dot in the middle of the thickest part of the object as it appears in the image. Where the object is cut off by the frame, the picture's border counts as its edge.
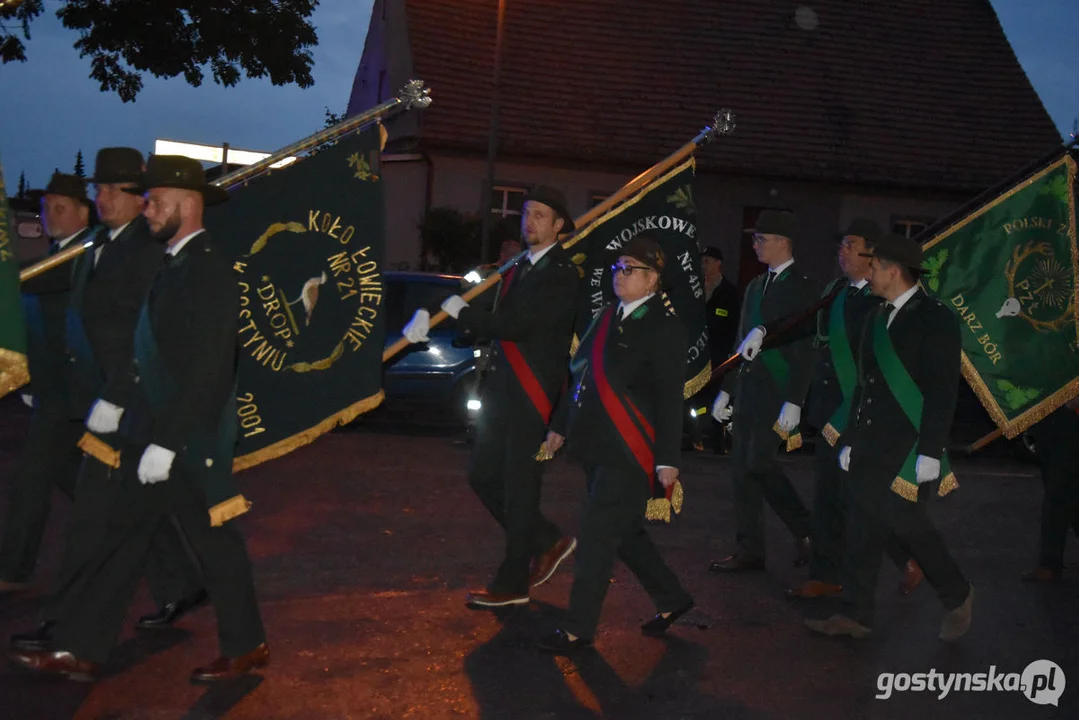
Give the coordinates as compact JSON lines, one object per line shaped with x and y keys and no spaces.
{"x":627,"y":270}
{"x":759,"y":239}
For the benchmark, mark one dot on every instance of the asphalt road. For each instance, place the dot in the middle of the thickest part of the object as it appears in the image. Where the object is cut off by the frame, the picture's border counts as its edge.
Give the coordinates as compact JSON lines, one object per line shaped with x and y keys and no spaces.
{"x":365,"y":542}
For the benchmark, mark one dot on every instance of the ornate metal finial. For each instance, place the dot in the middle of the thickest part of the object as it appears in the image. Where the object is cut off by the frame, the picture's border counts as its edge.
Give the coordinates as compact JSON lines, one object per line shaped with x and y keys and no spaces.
{"x":723,"y":123}
{"x":415,"y":95}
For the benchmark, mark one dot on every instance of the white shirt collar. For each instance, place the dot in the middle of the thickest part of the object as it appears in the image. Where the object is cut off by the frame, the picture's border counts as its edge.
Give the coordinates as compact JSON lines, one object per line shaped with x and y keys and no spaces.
{"x":64,"y":243}
{"x":117,"y":231}
{"x":858,"y":285}
{"x":901,"y":301}
{"x":781,"y":268}
{"x":626,"y":308}
{"x":174,"y":249}
{"x":534,"y":257}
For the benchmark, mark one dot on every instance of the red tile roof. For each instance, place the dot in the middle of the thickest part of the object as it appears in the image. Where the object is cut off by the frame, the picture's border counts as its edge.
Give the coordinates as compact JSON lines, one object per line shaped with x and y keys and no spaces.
{"x":924,"y":93}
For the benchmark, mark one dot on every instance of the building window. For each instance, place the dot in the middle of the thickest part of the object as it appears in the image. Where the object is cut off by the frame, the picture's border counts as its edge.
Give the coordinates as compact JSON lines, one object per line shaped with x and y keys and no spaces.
{"x":507,"y":200}
{"x":596,"y":198}
{"x":909,"y":227}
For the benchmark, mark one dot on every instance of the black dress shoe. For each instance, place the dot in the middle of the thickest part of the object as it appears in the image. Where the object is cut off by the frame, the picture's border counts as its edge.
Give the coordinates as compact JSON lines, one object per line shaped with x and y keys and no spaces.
{"x":171,"y":612}
{"x":737,"y":563}
{"x":659,"y":624}
{"x":38,"y":640}
{"x":559,"y":643}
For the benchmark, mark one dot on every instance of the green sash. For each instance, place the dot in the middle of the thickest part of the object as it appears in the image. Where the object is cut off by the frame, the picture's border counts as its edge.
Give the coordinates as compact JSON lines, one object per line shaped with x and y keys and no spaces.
{"x":905,"y":390}
{"x":772,"y":358}
{"x":843,"y":362}
{"x":209,"y":452}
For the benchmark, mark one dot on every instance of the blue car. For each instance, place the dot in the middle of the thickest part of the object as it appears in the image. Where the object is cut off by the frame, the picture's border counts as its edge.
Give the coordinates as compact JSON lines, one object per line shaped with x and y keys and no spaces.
{"x":440,"y":372}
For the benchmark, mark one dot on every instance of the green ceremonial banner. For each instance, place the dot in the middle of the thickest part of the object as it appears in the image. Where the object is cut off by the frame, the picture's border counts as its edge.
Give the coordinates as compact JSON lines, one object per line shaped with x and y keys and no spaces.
{"x":307,"y":241}
{"x":14,"y":372}
{"x":664,"y":210}
{"x":1009,"y":270}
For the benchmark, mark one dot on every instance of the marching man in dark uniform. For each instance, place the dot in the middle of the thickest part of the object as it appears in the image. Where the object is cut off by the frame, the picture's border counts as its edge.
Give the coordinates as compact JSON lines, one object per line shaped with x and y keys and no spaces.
{"x":768,"y":396}
{"x":1056,"y":443}
{"x":839,"y":327}
{"x":895,"y":440}
{"x":178,"y":430}
{"x":623,"y":420}
{"x":110,"y":284}
{"x":722,"y":305}
{"x":533,"y":326}
{"x":50,"y":456}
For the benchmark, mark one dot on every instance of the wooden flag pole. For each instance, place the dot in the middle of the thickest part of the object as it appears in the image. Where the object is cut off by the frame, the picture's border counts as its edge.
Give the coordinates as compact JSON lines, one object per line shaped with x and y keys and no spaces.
{"x":722,"y":124}
{"x":982,"y":442}
{"x":413,"y":95}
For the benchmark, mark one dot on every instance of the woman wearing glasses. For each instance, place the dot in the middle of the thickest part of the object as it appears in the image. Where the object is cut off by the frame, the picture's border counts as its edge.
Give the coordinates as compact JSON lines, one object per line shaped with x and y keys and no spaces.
{"x":622,"y":418}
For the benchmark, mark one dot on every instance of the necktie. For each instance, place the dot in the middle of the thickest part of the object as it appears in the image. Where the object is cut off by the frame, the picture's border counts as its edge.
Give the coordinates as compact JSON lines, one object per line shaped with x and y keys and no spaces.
{"x":53,"y":249}
{"x":886,"y":312}
{"x":768,"y":282}
{"x":523,"y":267}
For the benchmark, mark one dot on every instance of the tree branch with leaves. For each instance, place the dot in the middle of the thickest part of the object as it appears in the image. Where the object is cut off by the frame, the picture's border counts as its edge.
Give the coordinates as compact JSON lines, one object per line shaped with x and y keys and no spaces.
{"x":125,"y":39}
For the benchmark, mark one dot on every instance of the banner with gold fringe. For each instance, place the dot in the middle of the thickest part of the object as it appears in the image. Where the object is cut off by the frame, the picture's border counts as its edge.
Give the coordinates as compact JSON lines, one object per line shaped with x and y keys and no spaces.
{"x":14,"y":371}
{"x":1009,"y":270}
{"x":307,"y":242}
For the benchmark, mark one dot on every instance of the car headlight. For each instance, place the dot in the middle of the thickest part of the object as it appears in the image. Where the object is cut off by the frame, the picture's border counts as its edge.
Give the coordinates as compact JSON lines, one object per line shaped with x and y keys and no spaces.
{"x":473,"y":405}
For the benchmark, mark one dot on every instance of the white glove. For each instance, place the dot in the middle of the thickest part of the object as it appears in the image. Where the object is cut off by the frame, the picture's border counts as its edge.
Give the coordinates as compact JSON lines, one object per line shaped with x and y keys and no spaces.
{"x":28,"y":400}
{"x":104,"y":417}
{"x":844,"y":459}
{"x":418,"y":327}
{"x":155,"y":464}
{"x":721,"y":408}
{"x":751,"y":344}
{"x":453,"y":305}
{"x":927,"y":469}
{"x":789,"y":417}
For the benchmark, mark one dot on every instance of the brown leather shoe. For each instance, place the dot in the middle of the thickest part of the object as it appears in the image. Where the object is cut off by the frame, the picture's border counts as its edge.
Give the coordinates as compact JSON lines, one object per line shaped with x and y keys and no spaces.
{"x":484,"y":599}
{"x":225,"y":668}
{"x":814,"y":589}
{"x":1043,"y":574}
{"x":60,"y":663}
{"x":803,"y":550}
{"x":737,"y":563}
{"x":548,"y":562}
{"x":9,"y":586}
{"x":912,"y":577}
{"x":957,"y":622}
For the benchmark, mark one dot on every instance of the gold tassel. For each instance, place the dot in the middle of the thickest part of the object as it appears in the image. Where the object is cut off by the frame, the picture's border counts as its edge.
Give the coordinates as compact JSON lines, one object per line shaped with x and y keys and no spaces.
{"x":678,"y":497}
{"x":658,"y":509}
{"x":831,"y":435}
{"x":14,"y":370}
{"x":222,"y":512}
{"x":793,"y":442}
{"x":543,"y":454}
{"x":97,"y":448}
{"x":948,"y":484}
{"x":904,"y":489}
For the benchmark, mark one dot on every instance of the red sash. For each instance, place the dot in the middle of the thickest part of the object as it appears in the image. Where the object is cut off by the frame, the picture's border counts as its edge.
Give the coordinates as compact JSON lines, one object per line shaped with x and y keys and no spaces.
{"x":519,"y":365}
{"x":639,"y":445}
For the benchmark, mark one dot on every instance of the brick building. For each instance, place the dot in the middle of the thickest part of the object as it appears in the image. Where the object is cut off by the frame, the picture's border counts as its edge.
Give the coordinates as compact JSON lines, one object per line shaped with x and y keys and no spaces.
{"x":894,"y":111}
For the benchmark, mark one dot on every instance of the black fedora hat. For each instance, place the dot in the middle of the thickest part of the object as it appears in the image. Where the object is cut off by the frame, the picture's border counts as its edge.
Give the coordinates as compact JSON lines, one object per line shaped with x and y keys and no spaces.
{"x":554,"y":199}
{"x":71,"y":186}
{"x":898,"y":249}
{"x":645,"y":250}
{"x":712,"y":252}
{"x":863,"y":228}
{"x":182,"y":173}
{"x":775,"y":222}
{"x":118,"y":165}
